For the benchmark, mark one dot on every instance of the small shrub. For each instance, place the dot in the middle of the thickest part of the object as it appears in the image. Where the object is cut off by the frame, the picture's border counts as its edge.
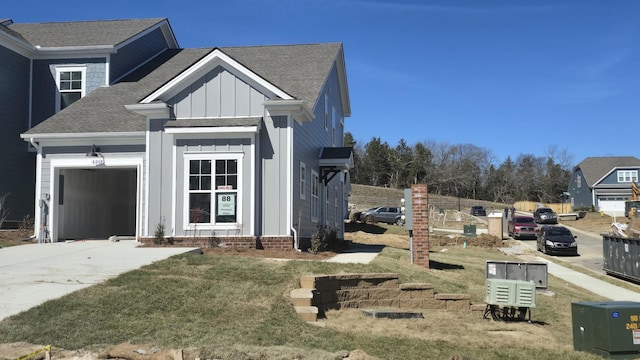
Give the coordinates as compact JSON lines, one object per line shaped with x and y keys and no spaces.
{"x":25,"y":229}
{"x":324,"y":239}
{"x":4,"y":212}
{"x":158,"y":235}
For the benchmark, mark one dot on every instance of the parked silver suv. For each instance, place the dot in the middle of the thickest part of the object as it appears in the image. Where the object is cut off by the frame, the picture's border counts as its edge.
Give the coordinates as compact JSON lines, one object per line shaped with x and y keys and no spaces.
{"x":545,"y":216}
{"x":389,"y":215}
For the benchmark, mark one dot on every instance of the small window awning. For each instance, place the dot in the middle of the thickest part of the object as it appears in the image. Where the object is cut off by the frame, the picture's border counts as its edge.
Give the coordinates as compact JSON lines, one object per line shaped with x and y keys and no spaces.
{"x":334,"y":160}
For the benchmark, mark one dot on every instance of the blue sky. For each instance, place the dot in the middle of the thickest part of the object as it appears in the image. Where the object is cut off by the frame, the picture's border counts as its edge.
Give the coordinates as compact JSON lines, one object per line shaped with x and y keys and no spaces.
{"x":512,"y":77}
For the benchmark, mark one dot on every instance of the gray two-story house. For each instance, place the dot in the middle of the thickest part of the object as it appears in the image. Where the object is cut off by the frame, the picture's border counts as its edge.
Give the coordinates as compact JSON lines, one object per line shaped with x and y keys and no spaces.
{"x":240,"y":145}
{"x":45,"y":67}
{"x":603,"y":183}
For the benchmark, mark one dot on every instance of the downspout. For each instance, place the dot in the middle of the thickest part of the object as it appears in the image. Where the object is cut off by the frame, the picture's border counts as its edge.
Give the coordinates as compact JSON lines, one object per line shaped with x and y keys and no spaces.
{"x":35,"y":144}
{"x":37,"y":219}
{"x":296,"y":243}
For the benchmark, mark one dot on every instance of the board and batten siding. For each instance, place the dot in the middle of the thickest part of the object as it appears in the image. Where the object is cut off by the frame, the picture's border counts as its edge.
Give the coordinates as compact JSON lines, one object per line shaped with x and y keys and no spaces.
{"x":136,"y":53}
{"x":273,"y":176}
{"x":44,"y":80}
{"x":218,"y":94}
{"x":18,"y":177}
{"x":308,"y":140}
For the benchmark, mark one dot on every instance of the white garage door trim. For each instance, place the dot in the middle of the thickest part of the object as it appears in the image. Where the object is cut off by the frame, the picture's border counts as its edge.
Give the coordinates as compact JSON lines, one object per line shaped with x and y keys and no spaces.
{"x":88,"y":163}
{"x":611,"y":207}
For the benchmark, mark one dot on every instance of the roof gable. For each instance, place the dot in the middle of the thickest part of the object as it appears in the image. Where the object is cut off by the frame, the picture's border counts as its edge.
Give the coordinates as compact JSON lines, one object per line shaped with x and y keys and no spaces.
{"x":82,"y":33}
{"x":212,"y":60}
{"x":296,"y":72}
{"x":300,"y":70}
{"x":594,"y":169}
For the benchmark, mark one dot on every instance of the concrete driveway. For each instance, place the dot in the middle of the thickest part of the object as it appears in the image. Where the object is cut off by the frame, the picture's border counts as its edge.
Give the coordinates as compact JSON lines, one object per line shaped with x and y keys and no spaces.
{"x":32,"y":274}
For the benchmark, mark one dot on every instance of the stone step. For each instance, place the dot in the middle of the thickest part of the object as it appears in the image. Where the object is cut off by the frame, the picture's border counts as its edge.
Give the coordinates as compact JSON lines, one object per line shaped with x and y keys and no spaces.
{"x":307,"y":313}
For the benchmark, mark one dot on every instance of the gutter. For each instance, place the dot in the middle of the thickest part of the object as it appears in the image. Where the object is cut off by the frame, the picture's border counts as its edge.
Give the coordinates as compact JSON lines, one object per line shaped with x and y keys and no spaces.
{"x":35,"y":144}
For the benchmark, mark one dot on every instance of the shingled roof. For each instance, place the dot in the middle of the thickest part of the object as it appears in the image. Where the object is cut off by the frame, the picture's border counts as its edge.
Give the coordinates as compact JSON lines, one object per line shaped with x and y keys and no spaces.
{"x":595,"y":168}
{"x":81,"y":33}
{"x":299,"y":70}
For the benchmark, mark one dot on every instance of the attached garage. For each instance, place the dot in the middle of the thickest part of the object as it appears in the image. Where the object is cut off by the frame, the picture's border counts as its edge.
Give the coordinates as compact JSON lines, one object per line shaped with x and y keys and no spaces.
{"x":96,"y":203}
{"x":612,"y":205}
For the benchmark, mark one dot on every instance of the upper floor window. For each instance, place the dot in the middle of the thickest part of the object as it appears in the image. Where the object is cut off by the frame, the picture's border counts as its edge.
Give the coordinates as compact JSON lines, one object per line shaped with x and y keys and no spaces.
{"x":71,"y":83}
{"x":627,"y":176}
{"x":315,"y":195}
{"x":303,"y":180}
{"x":578,"y":181}
{"x":333,"y":121}
{"x":326,"y":112}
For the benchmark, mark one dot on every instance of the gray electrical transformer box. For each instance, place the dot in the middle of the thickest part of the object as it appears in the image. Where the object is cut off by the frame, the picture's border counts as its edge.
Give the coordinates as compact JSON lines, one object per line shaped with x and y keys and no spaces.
{"x":512,"y":270}
{"x":609,"y":329}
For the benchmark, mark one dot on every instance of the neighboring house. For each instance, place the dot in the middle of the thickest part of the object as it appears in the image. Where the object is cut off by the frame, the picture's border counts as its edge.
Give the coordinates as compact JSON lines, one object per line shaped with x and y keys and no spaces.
{"x":603,"y":183}
{"x":241,"y":145}
{"x":47,"y":66}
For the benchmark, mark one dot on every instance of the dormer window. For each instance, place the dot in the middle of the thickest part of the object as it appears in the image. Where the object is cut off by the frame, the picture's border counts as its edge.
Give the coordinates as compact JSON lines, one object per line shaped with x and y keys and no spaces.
{"x":71,"y":83}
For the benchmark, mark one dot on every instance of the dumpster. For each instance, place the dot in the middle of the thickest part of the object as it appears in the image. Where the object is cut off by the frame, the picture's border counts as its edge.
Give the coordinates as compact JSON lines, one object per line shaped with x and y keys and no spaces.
{"x":620,"y":256}
{"x":609,"y":329}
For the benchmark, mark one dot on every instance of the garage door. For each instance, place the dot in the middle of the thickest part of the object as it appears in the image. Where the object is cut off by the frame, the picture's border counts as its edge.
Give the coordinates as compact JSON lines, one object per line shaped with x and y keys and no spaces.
{"x":611,"y":207}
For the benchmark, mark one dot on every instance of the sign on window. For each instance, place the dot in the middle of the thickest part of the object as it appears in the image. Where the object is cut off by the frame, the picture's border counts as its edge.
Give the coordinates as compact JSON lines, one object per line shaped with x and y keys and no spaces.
{"x":226,"y":206}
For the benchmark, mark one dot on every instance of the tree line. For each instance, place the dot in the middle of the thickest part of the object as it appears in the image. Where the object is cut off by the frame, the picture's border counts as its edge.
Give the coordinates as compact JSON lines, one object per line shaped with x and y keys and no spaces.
{"x":461,"y":170}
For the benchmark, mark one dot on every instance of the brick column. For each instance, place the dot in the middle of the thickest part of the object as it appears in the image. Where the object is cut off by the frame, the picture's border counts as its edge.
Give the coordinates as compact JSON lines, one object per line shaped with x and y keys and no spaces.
{"x":420,"y":222}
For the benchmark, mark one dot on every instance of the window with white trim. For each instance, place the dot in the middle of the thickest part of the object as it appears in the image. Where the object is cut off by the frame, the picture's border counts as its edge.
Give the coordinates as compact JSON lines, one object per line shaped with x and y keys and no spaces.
{"x":335,"y":205}
{"x":578,"y":181}
{"x":71,"y":84}
{"x":627,"y":176}
{"x":303,"y":180}
{"x":341,"y":132}
{"x":213,"y":193}
{"x":326,"y":112}
{"x":315,"y":195}
{"x":326,"y":201}
{"x":333,"y":122}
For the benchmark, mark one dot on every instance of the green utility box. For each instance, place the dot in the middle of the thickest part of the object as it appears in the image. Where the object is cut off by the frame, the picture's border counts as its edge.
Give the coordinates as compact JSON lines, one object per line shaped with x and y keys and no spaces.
{"x":510,"y":293}
{"x":469,"y":230}
{"x":609,"y":329}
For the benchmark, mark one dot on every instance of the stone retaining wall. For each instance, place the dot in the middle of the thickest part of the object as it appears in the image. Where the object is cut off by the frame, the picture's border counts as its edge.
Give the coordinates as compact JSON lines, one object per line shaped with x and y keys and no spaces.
{"x":319,"y":293}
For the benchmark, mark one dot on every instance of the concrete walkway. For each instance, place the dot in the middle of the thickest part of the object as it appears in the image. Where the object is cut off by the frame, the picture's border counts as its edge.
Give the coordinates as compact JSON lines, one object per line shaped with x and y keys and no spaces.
{"x":357,"y":254}
{"x":32,"y":274}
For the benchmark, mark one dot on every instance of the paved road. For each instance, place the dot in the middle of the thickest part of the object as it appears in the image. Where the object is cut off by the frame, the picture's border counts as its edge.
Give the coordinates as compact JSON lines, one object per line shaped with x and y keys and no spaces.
{"x":32,"y":274}
{"x":589,"y":249}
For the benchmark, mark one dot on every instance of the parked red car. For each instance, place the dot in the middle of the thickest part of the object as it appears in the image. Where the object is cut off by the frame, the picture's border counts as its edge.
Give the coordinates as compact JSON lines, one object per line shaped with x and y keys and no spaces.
{"x":522,"y":227}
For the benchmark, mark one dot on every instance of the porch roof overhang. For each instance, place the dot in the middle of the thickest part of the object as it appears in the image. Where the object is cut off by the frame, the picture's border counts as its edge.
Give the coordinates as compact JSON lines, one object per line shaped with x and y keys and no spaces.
{"x":115,"y":138}
{"x":333,"y":160}
{"x":613,"y":191}
{"x":221,"y":125}
{"x":296,"y":108}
